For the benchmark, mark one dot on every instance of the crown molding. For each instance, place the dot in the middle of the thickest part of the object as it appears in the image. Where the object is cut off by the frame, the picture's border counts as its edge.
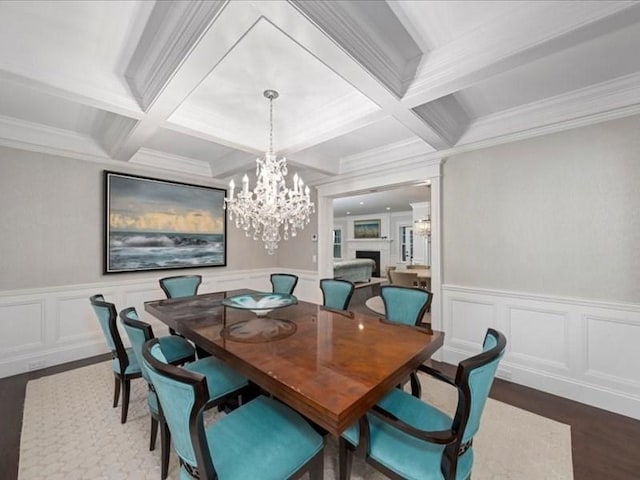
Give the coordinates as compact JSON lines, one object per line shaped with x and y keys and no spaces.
{"x":172,"y":31}
{"x":446,"y":116}
{"x":501,"y":45}
{"x":110,"y":131}
{"x":174,"y":163}
{"x":373,"y":50}
{"x":41,"y":138}
{"x":597,"y":103}
{"x":113,"y":99}
{"x":390,"y":153}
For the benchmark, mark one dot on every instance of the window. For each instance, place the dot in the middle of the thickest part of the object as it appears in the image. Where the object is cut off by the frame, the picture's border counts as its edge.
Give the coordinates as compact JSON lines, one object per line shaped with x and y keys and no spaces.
{"x":406,"y":243}
{"x":337,"y":243}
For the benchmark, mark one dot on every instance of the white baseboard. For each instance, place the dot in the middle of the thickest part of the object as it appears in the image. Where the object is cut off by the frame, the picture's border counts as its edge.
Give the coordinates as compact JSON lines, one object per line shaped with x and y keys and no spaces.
{"x":575,"y":348}
{"x":49,"y":326}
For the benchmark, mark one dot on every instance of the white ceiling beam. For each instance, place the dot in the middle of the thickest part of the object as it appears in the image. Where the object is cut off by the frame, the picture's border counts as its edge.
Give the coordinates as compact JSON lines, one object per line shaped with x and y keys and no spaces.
{"x":530,"y":32}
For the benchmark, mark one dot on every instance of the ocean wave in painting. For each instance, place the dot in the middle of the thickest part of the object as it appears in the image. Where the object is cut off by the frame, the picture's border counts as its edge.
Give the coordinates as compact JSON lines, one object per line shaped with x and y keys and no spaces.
{"x":135,"y":250}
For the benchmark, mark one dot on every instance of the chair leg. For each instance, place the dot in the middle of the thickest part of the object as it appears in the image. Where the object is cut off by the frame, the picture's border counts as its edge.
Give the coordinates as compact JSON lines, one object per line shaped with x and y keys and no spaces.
{"x":154,"y":433}
{"x":165,"y":448}
{"x":416,"y":388}
{"x":116,"y":391}
{"x":126,"y":389}
{"x":316,"y":468}
{"x":345,"y":457}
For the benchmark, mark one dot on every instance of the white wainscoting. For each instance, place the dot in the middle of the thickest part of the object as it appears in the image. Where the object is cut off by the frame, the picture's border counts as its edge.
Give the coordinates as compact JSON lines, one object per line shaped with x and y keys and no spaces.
{"x":48,"y":326}
{"x":583,"y":350}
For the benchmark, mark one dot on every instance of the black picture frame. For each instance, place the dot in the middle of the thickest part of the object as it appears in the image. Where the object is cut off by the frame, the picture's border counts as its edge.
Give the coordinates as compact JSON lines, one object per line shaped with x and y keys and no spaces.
{"x":156,"y":224}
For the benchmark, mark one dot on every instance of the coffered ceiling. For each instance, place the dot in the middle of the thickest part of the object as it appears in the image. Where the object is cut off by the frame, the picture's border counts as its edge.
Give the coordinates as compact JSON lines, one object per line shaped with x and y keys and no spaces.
{"x":177,"y":86}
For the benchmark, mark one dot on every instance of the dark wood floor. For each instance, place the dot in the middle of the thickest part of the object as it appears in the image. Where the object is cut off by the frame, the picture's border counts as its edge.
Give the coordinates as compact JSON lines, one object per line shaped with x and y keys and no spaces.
{"x":604,"y":445}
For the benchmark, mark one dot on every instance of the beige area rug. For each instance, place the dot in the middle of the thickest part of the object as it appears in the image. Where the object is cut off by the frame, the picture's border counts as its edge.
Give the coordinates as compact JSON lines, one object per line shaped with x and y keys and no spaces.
{"x":70,"y":431}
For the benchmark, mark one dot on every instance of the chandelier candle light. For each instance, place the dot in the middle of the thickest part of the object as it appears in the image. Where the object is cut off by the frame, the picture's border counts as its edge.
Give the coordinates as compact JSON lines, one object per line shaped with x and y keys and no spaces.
{"x":261,"y":211}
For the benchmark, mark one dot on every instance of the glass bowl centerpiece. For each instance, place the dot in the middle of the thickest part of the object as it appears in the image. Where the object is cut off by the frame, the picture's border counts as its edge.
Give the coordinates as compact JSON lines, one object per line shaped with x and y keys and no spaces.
{"x":260,"y":328}
{"x":260,"y":303}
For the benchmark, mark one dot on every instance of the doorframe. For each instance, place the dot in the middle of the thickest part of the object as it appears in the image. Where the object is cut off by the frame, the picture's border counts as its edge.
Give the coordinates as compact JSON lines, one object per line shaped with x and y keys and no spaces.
{"x":386,"y":178}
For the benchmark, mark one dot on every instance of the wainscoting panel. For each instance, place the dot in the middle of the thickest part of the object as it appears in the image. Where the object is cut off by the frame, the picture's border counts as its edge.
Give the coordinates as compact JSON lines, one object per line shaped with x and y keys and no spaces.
{"x":622,"y":368}
{"x":75,"y":320}
{"x":22,"y":324}
{"x":48,"y":326}
{"x":537,"y":337}
{"x":583,"y":350}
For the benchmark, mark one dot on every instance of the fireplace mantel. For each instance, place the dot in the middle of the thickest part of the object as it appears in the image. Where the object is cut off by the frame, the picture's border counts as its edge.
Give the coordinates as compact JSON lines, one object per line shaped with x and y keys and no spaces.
{"x":369,"y":240}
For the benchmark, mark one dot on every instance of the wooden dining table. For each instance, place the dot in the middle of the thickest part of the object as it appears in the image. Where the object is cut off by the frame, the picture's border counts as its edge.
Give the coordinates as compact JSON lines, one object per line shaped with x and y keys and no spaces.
{"x":330,"y":366}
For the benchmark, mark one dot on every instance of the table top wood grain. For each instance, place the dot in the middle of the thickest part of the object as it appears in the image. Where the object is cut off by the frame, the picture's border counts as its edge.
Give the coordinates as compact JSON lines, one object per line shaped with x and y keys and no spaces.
{"x":332,"y":369}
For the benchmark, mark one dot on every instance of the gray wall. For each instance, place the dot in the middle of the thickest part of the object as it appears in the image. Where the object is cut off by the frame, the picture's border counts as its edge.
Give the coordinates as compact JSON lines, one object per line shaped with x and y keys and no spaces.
{"x":51,"y":213}
{"x":298,"y":251}
{"x":557,"y":215}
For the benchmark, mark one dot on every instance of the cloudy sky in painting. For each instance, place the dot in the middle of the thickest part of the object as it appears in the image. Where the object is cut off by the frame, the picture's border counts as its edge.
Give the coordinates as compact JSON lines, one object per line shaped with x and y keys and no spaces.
{"x":152,"y":206}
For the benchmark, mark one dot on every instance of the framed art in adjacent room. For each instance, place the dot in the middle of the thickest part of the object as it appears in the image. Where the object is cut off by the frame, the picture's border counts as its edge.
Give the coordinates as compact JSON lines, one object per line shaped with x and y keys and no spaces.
{"x":153,"y":224}
{"x":366,"y":228}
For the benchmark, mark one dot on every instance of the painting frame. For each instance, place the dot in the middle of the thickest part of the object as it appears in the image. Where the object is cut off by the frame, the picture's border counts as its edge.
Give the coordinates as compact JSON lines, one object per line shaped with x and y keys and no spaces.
{"x":155,"y":224}
{"x":363,"y":229}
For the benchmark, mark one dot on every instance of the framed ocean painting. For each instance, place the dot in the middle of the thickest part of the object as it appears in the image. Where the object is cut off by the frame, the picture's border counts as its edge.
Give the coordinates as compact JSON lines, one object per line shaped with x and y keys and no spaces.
{"x":366,"y":228}
{"x":154,"y":224}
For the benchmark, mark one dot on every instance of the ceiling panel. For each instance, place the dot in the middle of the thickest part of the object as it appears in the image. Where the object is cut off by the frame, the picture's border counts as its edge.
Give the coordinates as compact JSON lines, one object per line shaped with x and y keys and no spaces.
{"x":372,"y":136}
{"x":176,"y":143}
{"x":598,"y":60}
{"x":396,"y":200}
{"x":230,"y":104}
{"x":24,"y":103}
{"x":437,"y":23}
{"x":82,"y":39}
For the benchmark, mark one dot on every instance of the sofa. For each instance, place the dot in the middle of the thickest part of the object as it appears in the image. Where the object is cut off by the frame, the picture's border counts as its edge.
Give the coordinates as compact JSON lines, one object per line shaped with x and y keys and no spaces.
{"x":354,"y":270}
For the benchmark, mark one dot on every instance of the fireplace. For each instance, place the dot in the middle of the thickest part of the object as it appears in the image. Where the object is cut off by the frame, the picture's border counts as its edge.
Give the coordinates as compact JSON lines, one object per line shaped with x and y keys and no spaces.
{"x":373,"y":255}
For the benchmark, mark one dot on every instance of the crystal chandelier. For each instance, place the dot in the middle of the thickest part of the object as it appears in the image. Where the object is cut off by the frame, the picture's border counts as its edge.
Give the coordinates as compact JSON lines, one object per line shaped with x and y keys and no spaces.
{"x":261,"y":211}
{"x":422,"y":227}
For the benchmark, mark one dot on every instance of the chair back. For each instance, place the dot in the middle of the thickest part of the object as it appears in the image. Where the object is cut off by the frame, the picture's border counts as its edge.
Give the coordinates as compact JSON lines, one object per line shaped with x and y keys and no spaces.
{"x":336,"y":293}
{"x":107,"y":315}
{"x":182,"y":394}
{"x":283,"y":283}
{"x":404,"y":279}
{"x":474,"y":378}
{"x":388,"y":272}
{"x":405,"y":305}
{"x":138,"y":332}
{"x":181,"y":285}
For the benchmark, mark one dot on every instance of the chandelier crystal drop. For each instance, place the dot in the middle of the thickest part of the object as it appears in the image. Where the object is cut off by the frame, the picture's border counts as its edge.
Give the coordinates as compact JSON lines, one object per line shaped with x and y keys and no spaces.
{"x":262,"y":212}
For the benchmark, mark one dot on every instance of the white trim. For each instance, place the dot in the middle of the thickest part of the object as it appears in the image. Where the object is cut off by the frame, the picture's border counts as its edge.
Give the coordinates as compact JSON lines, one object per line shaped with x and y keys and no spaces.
{"x":471,"y":58}
{"x":46,"y":345}
{"x":166,"y":161}
{"x":173,"y":30}
{"x":572,"y":358}
{"x":601,"y":102}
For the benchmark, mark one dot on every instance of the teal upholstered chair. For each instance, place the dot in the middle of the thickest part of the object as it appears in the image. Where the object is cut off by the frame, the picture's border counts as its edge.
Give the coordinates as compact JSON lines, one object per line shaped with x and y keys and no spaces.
{"x":261,"y":439}
{"x":405,"y":437}
{"x":405,"y":305}
{"x":283,"y":283}
{"x":177,"y":352}
{"x":125,"y":365}
{"x":180,"y":286}
{"x":336,"y":294}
